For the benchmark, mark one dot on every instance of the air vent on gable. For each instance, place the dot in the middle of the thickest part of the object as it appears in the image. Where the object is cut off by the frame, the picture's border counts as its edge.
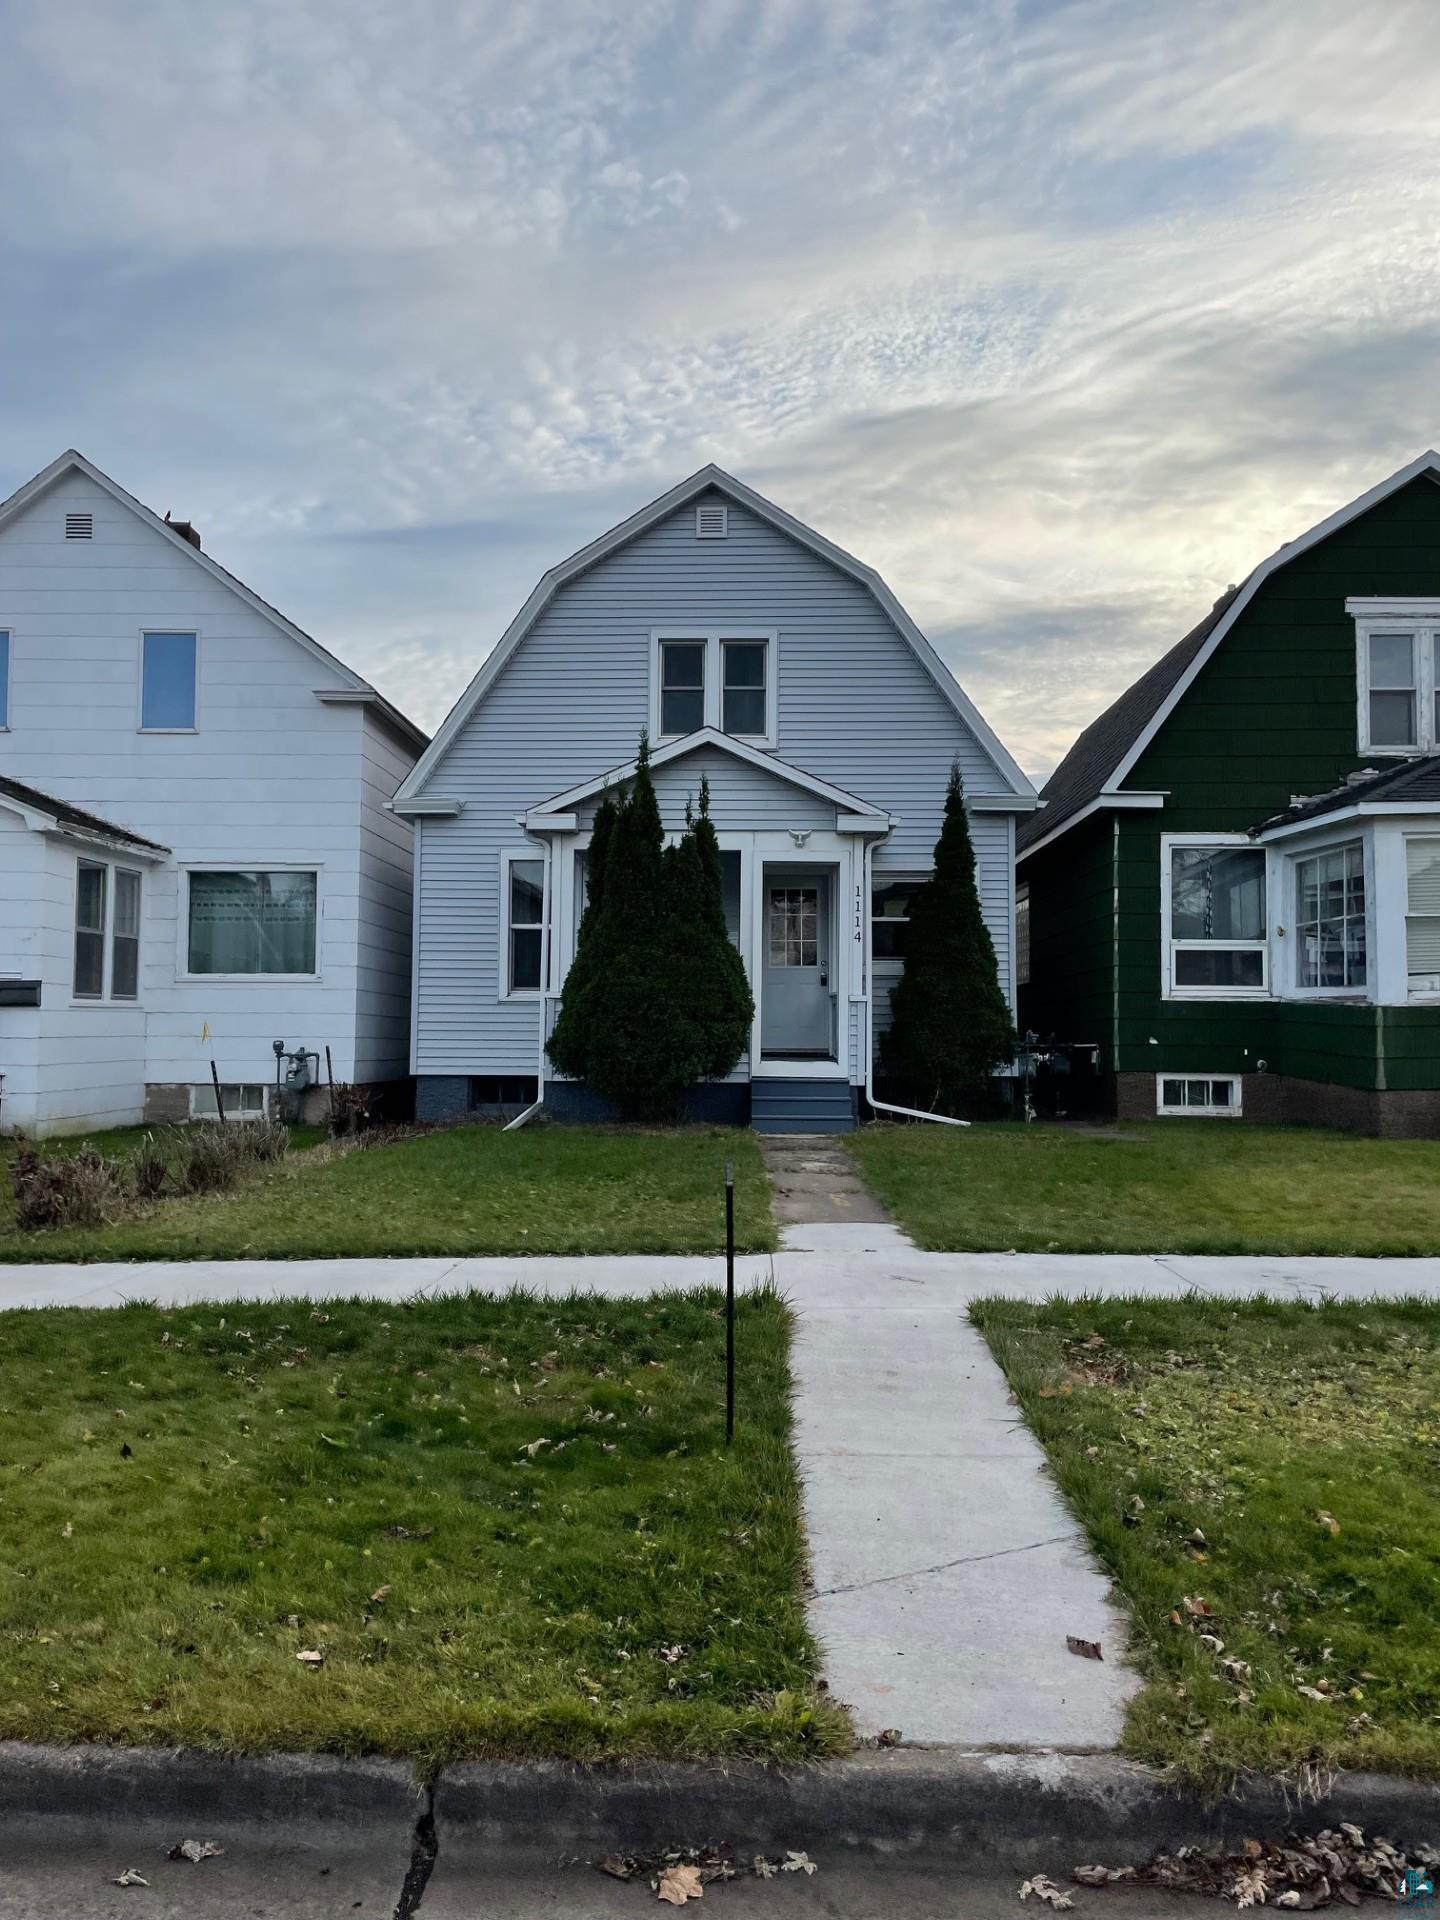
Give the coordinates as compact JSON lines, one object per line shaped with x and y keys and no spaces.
{"x":79,"y":526}
{"x":712,"y":522}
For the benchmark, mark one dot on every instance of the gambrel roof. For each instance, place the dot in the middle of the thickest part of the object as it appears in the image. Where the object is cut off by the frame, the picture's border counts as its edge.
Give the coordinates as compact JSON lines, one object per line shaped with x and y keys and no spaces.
{"x":1093,"y":772}
{"x":354,"y":689}
{"x":706,"y":479}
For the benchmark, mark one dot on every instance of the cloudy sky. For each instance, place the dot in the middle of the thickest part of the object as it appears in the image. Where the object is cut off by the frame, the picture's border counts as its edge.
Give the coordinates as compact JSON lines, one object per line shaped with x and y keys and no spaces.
{"x":1062,"y":315}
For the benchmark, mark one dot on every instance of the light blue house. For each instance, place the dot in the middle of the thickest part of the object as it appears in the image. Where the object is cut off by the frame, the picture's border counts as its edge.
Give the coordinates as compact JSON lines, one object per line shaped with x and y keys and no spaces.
{"x":758,"y":654}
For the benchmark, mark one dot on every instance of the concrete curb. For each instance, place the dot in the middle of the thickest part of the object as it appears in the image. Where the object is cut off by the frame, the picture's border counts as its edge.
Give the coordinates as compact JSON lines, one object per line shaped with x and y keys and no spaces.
{"x":1012,"y":1812}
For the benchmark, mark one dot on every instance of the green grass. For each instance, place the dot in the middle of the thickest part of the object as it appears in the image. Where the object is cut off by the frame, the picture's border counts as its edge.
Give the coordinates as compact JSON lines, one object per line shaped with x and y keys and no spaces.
{"x":1166,"y":1186}
{"x":469,"y":1190}
{"x":1304,"y":1445}
{"x":511,"y":1526}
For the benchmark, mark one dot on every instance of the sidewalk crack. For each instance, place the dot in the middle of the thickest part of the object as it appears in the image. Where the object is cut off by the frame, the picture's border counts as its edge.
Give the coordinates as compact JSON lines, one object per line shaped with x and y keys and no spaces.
{"x":942,"y":1566}
{"x":422,"y":1861}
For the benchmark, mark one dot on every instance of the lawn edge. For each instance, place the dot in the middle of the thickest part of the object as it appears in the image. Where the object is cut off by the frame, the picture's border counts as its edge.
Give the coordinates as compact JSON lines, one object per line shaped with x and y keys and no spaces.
{"x":1016,"y":1811}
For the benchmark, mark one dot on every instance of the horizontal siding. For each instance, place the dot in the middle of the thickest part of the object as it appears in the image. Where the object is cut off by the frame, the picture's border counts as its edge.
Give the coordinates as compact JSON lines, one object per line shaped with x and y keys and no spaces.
{"x":855,"y":707}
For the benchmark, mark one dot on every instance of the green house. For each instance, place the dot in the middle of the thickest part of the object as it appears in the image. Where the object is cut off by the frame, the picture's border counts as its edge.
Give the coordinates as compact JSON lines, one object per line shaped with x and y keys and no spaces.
{"x":1232,"y":888}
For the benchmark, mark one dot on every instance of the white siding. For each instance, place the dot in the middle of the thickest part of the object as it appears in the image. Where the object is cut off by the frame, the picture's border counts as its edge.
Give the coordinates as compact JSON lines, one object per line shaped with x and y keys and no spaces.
{"x":855,"y":706}
{"x":270,"y":776}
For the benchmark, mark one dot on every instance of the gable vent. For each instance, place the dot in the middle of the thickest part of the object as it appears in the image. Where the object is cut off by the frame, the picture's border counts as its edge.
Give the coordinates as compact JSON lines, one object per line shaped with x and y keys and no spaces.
{"x":712,"y":522}
{"x":79,"y":526}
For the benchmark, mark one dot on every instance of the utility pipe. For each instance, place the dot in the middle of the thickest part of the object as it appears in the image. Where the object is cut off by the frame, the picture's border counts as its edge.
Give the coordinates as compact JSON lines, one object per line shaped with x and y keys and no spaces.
{"x":883,"y":1106}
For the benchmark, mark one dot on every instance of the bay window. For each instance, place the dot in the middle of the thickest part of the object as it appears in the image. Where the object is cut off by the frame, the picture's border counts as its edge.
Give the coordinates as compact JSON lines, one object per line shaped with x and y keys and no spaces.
{"x":1330,"y":940}
{"x":1422,"y":913}
{"x":1214,"y":918}
{"x":251,"y":922}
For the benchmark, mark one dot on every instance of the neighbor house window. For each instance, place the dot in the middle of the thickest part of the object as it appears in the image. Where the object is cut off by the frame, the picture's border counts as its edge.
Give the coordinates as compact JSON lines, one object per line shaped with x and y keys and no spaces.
{"x":125,"y":936}
{"x":4,"y":679}
{"x":890,"y":918}
{"x":1022,"y":937}
{"x":242,"y":1101}
{"x":1330,"y":918}
{"x":167,"y":682}
{"x":524,"y":883}
{"x":90,"y":889}
{"x":1397,"y":645}
{"x":722,"y":679}
{"x":1422,"y":913}
{"x":682,"y":686}
{"x":1197,"y":1094}
{"x":1214,"y":911}
{"x":251,"y":922}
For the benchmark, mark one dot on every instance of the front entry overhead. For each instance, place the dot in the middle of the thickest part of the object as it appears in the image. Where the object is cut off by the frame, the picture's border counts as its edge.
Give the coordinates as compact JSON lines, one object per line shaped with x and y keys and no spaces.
{"x":797,"y":993}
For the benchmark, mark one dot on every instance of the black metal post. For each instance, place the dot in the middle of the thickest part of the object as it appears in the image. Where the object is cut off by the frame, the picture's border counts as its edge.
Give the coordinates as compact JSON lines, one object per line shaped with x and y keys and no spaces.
{"x":219,"y":1101}
{"x":729,"y":1301}
{"x":330,"y":1077}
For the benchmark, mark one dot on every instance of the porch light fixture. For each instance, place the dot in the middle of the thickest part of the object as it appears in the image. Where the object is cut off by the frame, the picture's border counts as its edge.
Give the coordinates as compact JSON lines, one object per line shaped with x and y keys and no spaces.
{"x":800,"y":835}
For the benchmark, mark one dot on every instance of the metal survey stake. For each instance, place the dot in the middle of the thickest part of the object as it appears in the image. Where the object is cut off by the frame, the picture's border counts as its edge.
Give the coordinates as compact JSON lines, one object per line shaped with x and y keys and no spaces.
{"x":729,"y":1301}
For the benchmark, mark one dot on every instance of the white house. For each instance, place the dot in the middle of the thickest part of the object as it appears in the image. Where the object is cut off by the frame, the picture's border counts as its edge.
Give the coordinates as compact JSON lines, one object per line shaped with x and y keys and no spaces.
{"x":756,"y":653}
{"x":196,"y":855}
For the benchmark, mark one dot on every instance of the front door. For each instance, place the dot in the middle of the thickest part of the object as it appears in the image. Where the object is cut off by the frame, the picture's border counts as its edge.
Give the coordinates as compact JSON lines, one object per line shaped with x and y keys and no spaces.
{"x":795,"y":998}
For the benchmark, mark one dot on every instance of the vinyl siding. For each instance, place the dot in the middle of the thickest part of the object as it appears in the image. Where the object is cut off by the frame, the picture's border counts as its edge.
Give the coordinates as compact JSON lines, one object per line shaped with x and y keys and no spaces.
{"x":269,"y":776}
{"x":854,"y":706}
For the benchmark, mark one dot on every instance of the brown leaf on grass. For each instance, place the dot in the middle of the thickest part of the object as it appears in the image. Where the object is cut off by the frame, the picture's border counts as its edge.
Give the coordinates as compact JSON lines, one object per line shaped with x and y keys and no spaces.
{"x":1087,"y":1649}
{"x":679,"y":1884}
{"x":380,"y":1596}
{"x":311,"y":1656}
{"x":1328,"y":1521}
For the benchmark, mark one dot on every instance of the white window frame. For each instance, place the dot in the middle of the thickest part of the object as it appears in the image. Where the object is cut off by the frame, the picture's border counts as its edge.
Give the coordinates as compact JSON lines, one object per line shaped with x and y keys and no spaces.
{"x":234,"y":1115}
{"x":7,"y":676}
{"x":114,"y":933}
{"x":1364,"y":992}
{"x":107,"y":994}
{"x":1207,"y":1111}
{"x":1023,"y":960}
{"x":1421,"y":620}
{"x":713,"y":638}
{"x":1418,"y":996}
{"x":246,"y":864}
{"x":508,"y":857}
{"x":1169,"y":947}
{"x":140,"y":726}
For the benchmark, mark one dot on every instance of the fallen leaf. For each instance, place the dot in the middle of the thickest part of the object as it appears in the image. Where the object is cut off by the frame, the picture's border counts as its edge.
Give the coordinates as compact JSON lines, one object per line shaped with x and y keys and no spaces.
{"x":1101,"y":1876}
{"x":1327,"y":1520}
{"x":679,"y":1884}
{"x":1044,"y":1888}
{"x":797,"y":1863}
{"x":762,"y":1867}
{"x":196,"y":1850}
{"x":311,"y":1657}
{"x":1087,"y":1649}
{"x":130,"y":1878}
{"x":616,"y":1865}
{"x":534,"y":1446}
{"x":888,"y":1737}
{"x":379,"y":1596}
{"x":67,"y":1532}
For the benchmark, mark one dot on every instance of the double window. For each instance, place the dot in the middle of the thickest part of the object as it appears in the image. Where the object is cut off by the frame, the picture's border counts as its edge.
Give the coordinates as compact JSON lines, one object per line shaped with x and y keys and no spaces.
{"x":107,"y":903}
{"x":1214,"y":918}
{"x":168,"y":677}
{"x":1197,"y":1094}
{"x":1398,"y":686}
{"x":250,"y":922}
{"x":723,"y":679}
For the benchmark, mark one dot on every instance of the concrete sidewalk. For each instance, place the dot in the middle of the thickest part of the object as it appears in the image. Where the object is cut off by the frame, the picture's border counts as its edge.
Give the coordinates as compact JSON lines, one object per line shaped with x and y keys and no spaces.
{"x":947,"y":1571}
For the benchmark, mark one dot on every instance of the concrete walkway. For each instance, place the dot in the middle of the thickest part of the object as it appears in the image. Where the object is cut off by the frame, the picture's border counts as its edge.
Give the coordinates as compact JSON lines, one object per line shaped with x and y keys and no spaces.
{"x":947,"y":1570}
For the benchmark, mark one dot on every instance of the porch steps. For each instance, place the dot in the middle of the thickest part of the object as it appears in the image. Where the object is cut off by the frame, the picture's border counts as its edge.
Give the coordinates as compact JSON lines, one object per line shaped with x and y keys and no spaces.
{"x":802,"y":1106}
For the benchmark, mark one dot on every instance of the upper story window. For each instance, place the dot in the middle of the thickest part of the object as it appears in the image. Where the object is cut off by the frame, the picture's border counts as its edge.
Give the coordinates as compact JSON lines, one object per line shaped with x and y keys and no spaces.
{"x":724,"y":679}
{"x":1213,"y":917}
{"x":167,"y":682}
{"x":244,"y":923}
{"x":1397,"y":643}
{"x":4,"y":679}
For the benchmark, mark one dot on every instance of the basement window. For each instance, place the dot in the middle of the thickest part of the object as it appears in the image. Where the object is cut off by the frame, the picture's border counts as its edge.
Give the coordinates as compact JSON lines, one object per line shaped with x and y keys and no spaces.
{"x":244,"y":1100}
{"x":1198,"y":1095}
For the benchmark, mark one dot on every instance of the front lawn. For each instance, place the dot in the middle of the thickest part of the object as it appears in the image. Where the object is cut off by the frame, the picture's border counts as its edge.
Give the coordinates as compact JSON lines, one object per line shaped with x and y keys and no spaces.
{"x":470,"y":1526}
{"x":1261,"y":1480}
{"x":468,"y":1190}
{"x":1158,"y":1186}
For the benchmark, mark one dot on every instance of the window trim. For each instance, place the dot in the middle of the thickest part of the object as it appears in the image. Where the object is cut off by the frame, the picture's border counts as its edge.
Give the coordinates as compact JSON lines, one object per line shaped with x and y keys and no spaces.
{"x":1169,"y":946}
{"x":126,"y":999}
{"x":102,"y":867}
{"x":244,"y":864}
{"x":1420,"y":618}
{"x":881,"y":877}
{"x":1207,"y":1112}
{"x":7,"y":675}
{"x":1024,"y":960}
{"x":235,"y":1116}
{"x":508,"y":858}
{"x":1414,"y":996}
{"x":140,"y":726}
{"x":714,"y":637}
{"x":1361,"y":993}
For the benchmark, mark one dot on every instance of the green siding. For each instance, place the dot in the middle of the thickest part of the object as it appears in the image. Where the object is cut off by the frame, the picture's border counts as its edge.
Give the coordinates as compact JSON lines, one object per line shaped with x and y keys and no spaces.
{"x":1271,"y":715}
{"x":1072,"y":938}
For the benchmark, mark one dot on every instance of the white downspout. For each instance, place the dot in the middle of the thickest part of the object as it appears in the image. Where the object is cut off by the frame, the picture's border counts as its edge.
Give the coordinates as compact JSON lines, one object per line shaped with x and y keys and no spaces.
{"x":512,"y":1126}
{"x":881,"y":1106}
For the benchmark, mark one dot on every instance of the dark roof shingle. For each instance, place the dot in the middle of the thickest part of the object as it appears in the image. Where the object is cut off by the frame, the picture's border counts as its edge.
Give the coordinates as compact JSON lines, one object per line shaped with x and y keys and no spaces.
{"x":69,"y":816}
{"x":1417,"y":780}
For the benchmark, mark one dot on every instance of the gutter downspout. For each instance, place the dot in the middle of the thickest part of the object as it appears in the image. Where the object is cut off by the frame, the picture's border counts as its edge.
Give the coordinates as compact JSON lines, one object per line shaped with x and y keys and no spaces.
{"x":882,"y":1106}
{"x":513,"y":1126}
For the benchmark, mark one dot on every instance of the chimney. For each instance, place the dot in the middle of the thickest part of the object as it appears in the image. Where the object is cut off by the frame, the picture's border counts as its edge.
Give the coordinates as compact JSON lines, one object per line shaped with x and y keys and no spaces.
{"x":184,"y":528}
